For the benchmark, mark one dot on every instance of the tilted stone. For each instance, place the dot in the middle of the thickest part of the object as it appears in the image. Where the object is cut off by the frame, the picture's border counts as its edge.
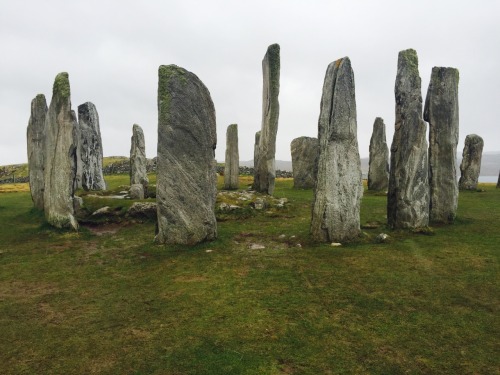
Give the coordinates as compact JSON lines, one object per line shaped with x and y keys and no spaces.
{"x":338,"y":192}
{"x":138,"y":161}
{"x":441,"y":112}
{"x":408,"y":193}
{"x":305,"y":151}
{"x":265,"y":173}
{"x":471,"y":162}
{"x":232,"y":162}
{"x":378,"y":166}
{"x":60,"y":156}
{"x":90,"y":147}
{"x":36,"y":149}
{"x":186,"y":187}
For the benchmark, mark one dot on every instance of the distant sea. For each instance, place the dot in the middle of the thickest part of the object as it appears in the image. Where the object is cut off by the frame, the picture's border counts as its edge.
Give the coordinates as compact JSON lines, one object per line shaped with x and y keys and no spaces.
{"x":493,"y":179}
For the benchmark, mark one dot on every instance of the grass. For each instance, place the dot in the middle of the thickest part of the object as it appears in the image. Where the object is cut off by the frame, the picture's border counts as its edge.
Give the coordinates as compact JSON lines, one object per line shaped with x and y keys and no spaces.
{"x":113,"y":302}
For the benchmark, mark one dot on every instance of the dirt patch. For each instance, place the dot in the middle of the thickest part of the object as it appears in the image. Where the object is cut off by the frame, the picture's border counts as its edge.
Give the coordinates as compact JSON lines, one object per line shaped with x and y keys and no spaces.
{"x":22,"y":290}
{"x":106,"y":229}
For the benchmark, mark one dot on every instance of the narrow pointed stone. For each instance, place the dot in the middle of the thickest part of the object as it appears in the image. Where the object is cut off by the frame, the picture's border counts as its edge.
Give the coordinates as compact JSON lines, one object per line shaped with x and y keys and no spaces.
{"x":441,"y":112}
{"x":90,"y":147}
{"x":36,"y":149}
{"x":378,"y":167}
{"x":138,"y":161}
{"x":304,"y":152}
{"x":186,"y":187}
{"x":232,"y":162}
{"x":256,"y":151}
{"x":60,"y":163}
{"x":265,"y":170}
{"x":408,"y":193}
{"x":338,"y":192}
{"x":471,"y":162}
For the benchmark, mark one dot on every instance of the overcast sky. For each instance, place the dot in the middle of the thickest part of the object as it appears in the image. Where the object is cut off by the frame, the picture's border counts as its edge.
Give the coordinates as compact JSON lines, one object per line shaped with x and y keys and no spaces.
{"x":112,"y":51}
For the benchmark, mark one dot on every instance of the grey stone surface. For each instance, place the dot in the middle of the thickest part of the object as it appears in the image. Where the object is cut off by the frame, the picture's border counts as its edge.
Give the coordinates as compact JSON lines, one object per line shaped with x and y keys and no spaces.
{"x":232,"y":162}
{"x":378,"y":165}
{"x":142,"y":210}
{"x":90,"y":147}
{"x":60,"y":156}
{"x":264,"y":173}
{"x":138,"y":161}
{"x":441,"y":112}
{"x":186,"y":187}
{"x":408,"y":193}
{"x":498,"y":183}
{"x":36,"y":149}
{"x":256,"y":151}
{"x":136,"y":191}
{"x":305,"y":151}
{"x":338,"y":191}
{"x":471,"y":162}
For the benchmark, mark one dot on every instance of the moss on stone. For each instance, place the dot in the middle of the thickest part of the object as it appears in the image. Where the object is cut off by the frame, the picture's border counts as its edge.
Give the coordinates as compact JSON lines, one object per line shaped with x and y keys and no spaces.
{"x":61,"y":86}
{"x":411,"y":59}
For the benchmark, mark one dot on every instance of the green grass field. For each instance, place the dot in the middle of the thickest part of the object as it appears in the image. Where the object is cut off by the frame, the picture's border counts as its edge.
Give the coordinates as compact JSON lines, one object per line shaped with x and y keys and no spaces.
{"x":107,"y":300}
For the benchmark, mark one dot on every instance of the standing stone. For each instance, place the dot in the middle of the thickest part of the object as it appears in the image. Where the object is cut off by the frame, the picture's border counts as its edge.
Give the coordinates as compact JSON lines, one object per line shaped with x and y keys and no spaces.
{"x":232,"y":163}
{"x":90,"y":147}
{"x":304,"y":162}
{"x":60,"y":156}
{"x":256,"y":151}
{"x":36,"y":149}
{"x":186,"y":187}
{"x":441,"y":112}
{"x":471,"y":162}
{"x":265,"y":170}
{"x":408,"y":193}
{"x":138,"y":161}
{"x":378,"y":168}
{"x":498,"y":183}
{"x":339,"y":188}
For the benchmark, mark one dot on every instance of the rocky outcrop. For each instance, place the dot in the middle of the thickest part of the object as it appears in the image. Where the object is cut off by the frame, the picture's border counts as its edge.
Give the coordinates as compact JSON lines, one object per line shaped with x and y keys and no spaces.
{"x":338,"y":191}
{"x":232,"y":163}
{"x":441,"y":112}
{"x":36,"y":149}
{"x":378,"y":165}
{"x":471,"y":162}
{"x":304,"y":152}
{"x":138,"y":161}
{"x":90,"y":147}
{"x":186,"y":186}
{"x":60,"y":156}
{"x":408,"y":193}
{"x":265,"y":165}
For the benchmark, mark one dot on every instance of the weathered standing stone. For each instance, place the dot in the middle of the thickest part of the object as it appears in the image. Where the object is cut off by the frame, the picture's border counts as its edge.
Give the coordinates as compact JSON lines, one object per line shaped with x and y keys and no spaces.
{"x":256,"y":150}
{"x":90,"y":147}
{"x":186,"y":187}
{"x":264,"y":173}
{"x":338,"y":191}
{"x":304,"y":152}
{"x":408,"y":193}
{"x":378,"y":168}
{"x":471,"y":162}
{"x":498,"y":183}
{"x":232,"y":162}
{"x":138,"y":161}
{"x":441,"y":112}
{"x":60,"y":156}
{"x":36,"y":149}
{"x":136,"y":191}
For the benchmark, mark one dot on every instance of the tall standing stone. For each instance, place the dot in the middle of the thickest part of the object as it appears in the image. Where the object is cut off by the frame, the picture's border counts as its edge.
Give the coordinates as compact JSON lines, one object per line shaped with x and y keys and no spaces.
{"x":186,"y":187}
{"x":408,"y":193}
{"x":378,"y":165}
{"x":36,"y":149}
{"x":90,"y":147}
{"x":304,"y":152}
{"x":498,"y":182}
{"x":256,"y":151}
{"x":60,"y":156}
{"x":232,"y":162}
{"x":265,"y":170}
{"x":471,"y":162}
{"x":441,"y":112}
{"x":338,"y":192}
{"x":138,"y":161}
